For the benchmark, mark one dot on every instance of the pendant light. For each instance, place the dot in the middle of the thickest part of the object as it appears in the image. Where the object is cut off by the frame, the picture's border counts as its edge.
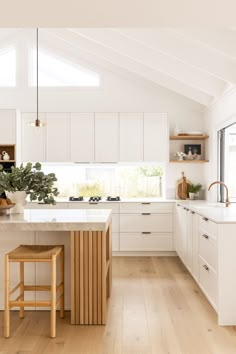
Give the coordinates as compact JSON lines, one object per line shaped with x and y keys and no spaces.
{"x":37,"y":123}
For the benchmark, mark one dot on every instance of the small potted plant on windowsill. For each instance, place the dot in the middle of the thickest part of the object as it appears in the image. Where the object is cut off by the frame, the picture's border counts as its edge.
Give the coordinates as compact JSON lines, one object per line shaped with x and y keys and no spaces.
{"x":28,"y":180}
{"x":193,"y":189}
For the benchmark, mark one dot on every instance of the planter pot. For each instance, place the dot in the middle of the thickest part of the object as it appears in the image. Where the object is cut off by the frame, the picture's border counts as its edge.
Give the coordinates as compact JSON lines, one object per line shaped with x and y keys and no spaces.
{"x":19,"y":198}
{"x":191,"y":196}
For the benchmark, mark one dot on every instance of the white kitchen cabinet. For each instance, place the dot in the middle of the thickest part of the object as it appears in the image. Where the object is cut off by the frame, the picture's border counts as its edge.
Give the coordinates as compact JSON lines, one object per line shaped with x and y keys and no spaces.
{"x":146,"y":207}
{"x":7,"y":126}
{"x":146,"y":223}
{"x":189,"y":240}
{"x":58,"y":137}
{"x":181,"y":232}
{"x":32,"y":139}
{"x":146,"y":241}
{"x":195,"y":243}
{"x":82,"y":137}
{"x":106,"y":137}
{"x":156,"y":137}
{"x":131,"y":137}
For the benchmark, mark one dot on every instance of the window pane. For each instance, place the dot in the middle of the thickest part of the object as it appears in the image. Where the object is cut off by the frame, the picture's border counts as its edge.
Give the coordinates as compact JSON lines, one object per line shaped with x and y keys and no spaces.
{"x":58,"y":72}
{"x":123,"y":181}
{"x":8,"y":67}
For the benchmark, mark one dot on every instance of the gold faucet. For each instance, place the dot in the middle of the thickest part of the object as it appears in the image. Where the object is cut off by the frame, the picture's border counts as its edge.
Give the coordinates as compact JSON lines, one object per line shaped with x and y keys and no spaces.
{"x":227,"y":202}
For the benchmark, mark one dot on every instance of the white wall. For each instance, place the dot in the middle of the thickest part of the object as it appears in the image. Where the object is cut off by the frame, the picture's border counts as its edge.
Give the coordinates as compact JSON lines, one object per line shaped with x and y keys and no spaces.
{"x":120,"y":91}
{"x":219,"y":115}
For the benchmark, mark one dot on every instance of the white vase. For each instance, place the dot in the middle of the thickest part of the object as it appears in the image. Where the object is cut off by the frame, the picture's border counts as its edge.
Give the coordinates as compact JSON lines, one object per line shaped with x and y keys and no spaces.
{"x":191,"y":196}
{"x":19,"y":198}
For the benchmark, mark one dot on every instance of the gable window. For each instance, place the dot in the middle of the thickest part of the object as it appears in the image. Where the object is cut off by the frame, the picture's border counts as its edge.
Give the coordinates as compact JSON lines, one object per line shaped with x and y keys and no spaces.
{"x":58,"y":72}
{"x":8,"y":67}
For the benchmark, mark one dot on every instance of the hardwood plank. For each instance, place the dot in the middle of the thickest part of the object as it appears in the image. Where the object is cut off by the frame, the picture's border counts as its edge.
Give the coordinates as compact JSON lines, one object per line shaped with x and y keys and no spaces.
{"x":90,"y":271}
{"x":81,"y":277}
{"x":72,"y":279}
{"x":95,"y":278}
{"x":99,"y":285}
{"x":86,"y":280}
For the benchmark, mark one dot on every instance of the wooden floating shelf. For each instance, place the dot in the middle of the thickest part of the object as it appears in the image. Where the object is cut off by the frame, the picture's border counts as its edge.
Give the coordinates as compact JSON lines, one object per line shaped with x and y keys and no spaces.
{"x":189,"y":161}
{"x":189,"y":137}
{"x":6,"y":161}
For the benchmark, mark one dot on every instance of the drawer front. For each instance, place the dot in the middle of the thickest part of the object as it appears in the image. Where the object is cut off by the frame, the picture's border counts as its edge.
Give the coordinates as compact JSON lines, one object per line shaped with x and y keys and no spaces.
{"x":115,"y":223}
{"x":208,"y":249}
{"x":208,"y":281}
{"x":146,"y":207}
{"x":149,"y":223}
{"x":209,"y":226}
{"x":115,"y":241}
{"x":100,"y":205}
{"x":146,"y":242}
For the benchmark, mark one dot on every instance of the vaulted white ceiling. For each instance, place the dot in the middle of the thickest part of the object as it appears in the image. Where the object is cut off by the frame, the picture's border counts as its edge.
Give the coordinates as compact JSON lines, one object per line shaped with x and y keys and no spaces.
{"x":199,"y":64}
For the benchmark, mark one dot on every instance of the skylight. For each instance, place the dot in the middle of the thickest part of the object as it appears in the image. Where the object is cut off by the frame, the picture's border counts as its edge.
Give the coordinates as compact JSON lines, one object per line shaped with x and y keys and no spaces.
{"x":8,"y":67}
{"x":57,"y":72}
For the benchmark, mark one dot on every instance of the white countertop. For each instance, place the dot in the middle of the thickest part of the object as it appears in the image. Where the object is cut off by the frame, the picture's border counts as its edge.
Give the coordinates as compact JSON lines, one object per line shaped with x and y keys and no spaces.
{"x":57,"y":220}
{"x":216,"y":212}
{"x":123,"y":200}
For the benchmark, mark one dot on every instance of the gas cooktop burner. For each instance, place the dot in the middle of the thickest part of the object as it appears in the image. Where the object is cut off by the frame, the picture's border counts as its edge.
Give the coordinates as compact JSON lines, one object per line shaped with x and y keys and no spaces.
{"x":95,"y":199}
{"x":76,"y":199}
{"x":113,"y":199}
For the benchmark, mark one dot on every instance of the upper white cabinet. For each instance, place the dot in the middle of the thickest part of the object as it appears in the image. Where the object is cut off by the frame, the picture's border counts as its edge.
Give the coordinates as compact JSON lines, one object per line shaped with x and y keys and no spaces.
{"x":82,"y":137}
{"x":32,"y":139}
{"x":58,"y":137}
{"x":8,"y":127}
{"x":131,"y":137}
{"x":155,"y":137}
{"x":106,"y":137}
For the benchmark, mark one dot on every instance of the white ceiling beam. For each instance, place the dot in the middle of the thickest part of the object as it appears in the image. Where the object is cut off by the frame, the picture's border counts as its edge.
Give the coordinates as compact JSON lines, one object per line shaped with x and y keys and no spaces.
{"x":131,"y":65}
{"x":155,"y":60}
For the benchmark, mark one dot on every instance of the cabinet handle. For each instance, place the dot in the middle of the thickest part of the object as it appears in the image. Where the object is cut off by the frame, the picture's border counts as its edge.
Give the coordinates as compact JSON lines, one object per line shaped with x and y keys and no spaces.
{"x":146,"y":233}
{"x":205,"y":219}
{"x":146,"y":213}
{"x":145,"y":203}
{"x":205,"y":236}
{"x":93,"y":203}
{"x":205,"y":267}
{"x":192,"y":212}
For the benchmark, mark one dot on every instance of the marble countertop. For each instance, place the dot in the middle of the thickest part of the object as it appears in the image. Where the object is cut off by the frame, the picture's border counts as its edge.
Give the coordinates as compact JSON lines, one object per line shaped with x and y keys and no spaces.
{"x":216,"y":212}
{"x":57,"y":220}
{"x":123,"y":200}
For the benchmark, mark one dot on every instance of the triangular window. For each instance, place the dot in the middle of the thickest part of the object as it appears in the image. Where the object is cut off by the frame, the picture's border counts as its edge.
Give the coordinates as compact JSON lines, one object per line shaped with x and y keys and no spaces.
{"x":8,"y":67}
{"x":56,"y":72}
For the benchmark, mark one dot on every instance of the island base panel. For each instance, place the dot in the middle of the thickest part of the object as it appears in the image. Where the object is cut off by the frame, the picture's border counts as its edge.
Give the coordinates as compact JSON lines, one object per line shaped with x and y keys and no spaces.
{"x":91,"y":275}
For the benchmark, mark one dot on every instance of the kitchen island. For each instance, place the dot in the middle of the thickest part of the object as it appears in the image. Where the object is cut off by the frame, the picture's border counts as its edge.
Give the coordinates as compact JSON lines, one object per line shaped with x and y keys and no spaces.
{"x":86,"y":235}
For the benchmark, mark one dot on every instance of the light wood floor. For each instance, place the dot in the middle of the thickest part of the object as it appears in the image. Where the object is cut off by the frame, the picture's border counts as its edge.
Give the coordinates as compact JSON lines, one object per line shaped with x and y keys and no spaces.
{"x":155,"y":308}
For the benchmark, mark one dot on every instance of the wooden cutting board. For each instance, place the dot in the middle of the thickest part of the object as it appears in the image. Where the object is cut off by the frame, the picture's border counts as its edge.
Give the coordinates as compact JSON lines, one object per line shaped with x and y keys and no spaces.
{"x":182,"y":186}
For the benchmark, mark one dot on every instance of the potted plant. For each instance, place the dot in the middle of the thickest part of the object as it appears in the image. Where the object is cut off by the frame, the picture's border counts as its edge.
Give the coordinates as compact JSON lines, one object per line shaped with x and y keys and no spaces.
{"x":28,"y":180}
{"x":193,"y":189}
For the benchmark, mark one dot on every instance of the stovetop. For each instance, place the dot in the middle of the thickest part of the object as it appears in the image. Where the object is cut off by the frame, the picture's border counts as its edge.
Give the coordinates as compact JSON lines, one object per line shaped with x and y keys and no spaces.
{"x":94,"y":199}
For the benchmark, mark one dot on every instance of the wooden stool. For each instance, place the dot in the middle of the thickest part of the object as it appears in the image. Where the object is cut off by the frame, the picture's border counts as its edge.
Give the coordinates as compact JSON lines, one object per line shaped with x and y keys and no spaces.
{"x":34,"y":253}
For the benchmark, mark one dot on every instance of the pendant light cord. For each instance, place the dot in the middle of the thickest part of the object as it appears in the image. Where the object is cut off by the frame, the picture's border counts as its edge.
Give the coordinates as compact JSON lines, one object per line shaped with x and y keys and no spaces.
{"x":37,"y":74}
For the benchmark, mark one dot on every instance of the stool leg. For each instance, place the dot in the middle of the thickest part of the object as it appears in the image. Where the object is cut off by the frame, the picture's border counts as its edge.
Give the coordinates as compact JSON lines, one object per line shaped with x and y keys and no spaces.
{"x":53,"y":298}
{"x":22,"y":288}
{"x":7,"y":298}
{"x":62,"y":304}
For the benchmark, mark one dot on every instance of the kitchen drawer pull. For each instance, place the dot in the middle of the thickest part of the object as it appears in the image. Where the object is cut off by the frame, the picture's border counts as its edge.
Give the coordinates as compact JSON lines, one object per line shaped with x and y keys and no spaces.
{"x":205,"y":236}
{"x":146,"y":213}
{"x":205,"y":219}
{"x":205,"y":267}
{"x":145,"y":203}
{"x":146,"y":233}
{"x":192,"y":212}
{"x":93,"y":203}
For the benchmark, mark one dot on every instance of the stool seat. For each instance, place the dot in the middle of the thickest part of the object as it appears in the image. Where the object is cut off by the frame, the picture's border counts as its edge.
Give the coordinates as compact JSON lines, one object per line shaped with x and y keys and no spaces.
{"x":35,"y":252}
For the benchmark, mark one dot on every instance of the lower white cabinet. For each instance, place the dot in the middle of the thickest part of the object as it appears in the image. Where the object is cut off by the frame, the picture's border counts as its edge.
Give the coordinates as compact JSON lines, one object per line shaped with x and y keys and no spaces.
{"x":208,"y":281}
{"x":145,"y":222}
{"x":196,"y":245}
{"x":146,"y":241}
